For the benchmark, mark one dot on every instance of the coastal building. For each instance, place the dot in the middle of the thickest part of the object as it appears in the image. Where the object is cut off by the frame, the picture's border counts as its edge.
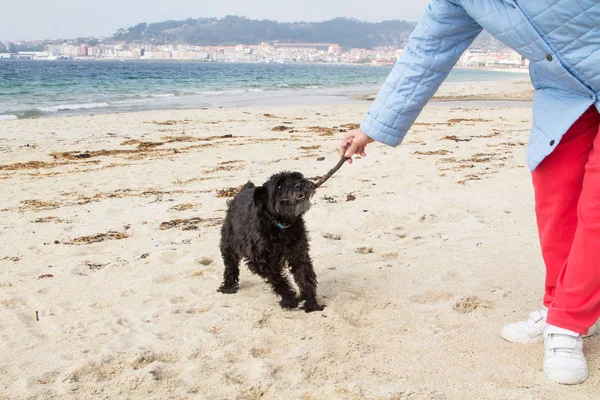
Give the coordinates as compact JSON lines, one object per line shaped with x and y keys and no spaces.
{"x":275,"y":52}
{"x":505,"y":59}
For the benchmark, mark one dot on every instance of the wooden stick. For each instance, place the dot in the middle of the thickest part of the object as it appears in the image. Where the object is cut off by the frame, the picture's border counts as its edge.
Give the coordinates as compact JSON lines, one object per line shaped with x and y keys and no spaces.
{"x":332,"y":171}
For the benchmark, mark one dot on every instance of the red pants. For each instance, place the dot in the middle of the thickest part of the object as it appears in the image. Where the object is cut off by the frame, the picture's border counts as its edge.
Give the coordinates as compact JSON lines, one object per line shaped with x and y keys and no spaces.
{"x":567,"y":206}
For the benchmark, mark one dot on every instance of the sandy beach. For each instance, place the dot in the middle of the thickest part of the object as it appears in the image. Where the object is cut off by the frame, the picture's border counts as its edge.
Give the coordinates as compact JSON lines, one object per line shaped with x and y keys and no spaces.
{"x":109,"y":258}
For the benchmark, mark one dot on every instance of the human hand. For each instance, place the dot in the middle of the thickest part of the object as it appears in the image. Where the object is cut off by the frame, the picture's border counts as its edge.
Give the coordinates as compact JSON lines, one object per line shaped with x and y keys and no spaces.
{"x":354,"y":142}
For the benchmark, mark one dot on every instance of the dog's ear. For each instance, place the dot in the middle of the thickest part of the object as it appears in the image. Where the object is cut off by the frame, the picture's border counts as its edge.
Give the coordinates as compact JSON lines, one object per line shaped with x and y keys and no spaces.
{"x":260,"y":196}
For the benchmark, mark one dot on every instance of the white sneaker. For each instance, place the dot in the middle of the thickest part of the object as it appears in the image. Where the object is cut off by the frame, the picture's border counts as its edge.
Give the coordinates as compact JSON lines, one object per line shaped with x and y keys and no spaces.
{"x":532,"y":330}
{"x":564,"y":361}
{"x":529,"y":331}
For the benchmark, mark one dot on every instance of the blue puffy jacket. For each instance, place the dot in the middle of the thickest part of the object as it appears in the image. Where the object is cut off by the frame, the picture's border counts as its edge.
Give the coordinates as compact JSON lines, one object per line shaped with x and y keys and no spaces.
{"x":561,"y":39}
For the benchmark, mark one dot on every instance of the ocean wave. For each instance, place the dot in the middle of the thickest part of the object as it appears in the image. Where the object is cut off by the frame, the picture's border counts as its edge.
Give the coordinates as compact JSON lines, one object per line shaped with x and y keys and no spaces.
{"x":222,"y":92}
{"x":34,"y":112}
{"x":158,"y":96}
{"x":71,"y":107}
{"x":298,"y":86}
{"x":8,"y":117}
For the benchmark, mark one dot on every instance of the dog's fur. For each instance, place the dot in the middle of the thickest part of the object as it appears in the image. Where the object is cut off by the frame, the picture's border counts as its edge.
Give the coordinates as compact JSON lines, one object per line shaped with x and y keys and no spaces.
{"x":264,"y":226}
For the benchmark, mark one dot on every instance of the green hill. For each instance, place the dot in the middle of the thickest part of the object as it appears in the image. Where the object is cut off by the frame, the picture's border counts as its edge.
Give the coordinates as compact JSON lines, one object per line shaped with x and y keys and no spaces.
{"x":233,"y":30}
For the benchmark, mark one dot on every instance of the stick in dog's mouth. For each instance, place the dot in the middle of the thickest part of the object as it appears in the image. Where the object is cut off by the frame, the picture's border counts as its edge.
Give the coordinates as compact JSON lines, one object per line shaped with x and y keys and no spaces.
{"x":318,"y":183}
{"x":332,"y":171}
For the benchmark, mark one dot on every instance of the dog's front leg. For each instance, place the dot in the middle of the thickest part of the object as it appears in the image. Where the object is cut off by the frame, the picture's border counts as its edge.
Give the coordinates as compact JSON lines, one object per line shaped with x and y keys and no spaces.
{"x":306,"y":279}
{"x":281,"y":285}
{"x":283,"y":288}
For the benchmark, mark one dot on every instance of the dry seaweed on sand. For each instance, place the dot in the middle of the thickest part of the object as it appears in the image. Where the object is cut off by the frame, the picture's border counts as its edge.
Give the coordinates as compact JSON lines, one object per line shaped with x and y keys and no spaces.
{"x":190,"y":224}
{"x":228,"y":192}
{"x":186,"y":224}
{"x":30,"y":165}
{"x":100,"y":237}
{"x":37,"y":205}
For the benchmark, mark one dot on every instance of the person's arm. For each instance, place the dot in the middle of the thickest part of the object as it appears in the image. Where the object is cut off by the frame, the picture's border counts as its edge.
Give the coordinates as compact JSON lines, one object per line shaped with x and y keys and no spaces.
{"x":434,"y":47}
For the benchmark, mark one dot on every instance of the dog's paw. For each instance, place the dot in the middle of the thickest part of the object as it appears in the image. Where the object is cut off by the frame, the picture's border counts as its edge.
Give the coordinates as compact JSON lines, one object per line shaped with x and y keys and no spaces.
{"x":228,"y":289}
{"x":289,"y":302}
{"x":312,"y":306}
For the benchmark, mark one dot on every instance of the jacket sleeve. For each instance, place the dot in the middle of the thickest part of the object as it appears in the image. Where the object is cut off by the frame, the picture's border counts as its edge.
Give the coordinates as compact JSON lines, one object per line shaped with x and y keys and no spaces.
{"x":433,"y":49}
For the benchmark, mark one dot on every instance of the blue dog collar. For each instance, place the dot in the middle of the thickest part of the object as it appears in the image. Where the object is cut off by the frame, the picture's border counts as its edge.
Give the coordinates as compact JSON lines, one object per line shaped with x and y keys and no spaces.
{"x":282,"y":226}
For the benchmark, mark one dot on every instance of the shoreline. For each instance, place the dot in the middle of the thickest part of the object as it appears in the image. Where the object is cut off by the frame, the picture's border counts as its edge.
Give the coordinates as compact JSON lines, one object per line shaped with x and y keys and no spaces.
{"x":515,"y":90}
{"x":518,"y":90}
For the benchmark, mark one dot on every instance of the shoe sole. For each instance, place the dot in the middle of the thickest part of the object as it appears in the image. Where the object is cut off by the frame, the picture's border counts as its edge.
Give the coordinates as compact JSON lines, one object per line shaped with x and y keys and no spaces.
{"x":564,"y":379}
{"x":509,"y":337}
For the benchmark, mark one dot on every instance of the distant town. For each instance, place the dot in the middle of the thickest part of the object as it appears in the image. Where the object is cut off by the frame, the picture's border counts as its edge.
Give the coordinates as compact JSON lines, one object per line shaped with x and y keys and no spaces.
{"x":258,"y":53}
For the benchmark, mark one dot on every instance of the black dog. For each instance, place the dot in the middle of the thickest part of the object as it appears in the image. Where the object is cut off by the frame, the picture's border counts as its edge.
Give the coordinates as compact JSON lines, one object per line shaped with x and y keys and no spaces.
{"x":264,"y":226}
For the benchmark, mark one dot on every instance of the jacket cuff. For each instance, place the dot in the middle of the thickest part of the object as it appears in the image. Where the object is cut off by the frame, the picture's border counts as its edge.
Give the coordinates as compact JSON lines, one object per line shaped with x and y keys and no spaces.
{"x":379,"y":132}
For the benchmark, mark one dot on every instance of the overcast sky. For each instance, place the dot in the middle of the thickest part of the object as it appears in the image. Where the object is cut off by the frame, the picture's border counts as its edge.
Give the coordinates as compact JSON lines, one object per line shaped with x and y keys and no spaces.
{"x":54,"y":19}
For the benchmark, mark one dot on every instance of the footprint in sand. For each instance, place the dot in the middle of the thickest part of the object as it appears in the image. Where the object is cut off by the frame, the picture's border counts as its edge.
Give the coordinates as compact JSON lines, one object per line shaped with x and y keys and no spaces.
{"x":258,"y":352}
{"x":160,"y":371}
{"x":389,"y":256}
{"x":148,"y":357}
{"x":359,"y":315}
{"x":170,"y":257}
{"x":358,"y":318}
{"x":15,"y":303}
{"x":332,"y":236}
{"x":91,"y":372}
{"x":264,"y":320}
{"x":364,"y":250}
{"x":195,"y":274}
{"x":205,"y":261}
{"x":114,"y":369}
{"x":198,"y":310}
{"x":43,"y":379}
{"x":433,"y":297}
{"x":164,"y":279}
{"x":178,"y":300}
{"x":469,"y":304}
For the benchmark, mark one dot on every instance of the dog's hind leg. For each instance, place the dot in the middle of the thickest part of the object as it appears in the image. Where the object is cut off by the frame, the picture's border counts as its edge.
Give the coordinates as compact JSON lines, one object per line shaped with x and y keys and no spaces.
{"x":231,"y":273}
{"x":306,"y":279}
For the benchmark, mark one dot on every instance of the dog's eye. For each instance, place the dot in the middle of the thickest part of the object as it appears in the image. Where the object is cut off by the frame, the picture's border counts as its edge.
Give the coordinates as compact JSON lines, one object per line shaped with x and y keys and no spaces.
{"x":278,"y":187}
